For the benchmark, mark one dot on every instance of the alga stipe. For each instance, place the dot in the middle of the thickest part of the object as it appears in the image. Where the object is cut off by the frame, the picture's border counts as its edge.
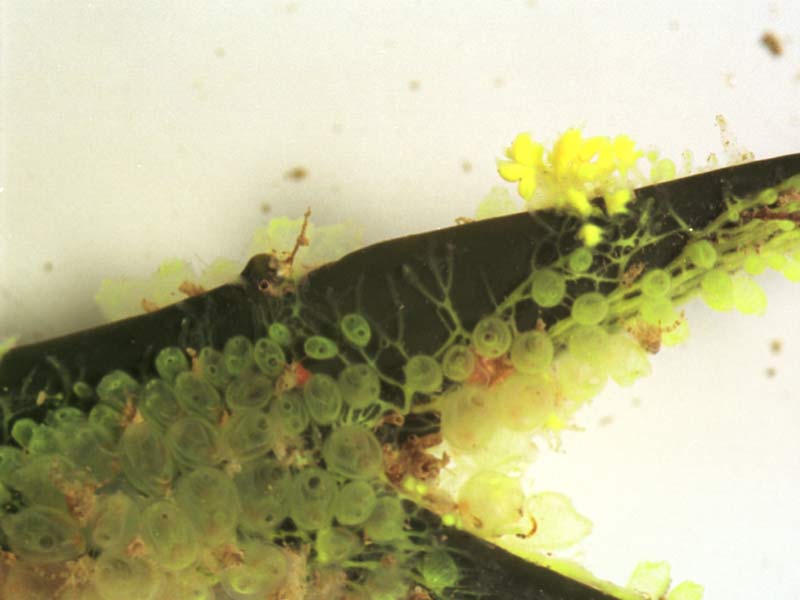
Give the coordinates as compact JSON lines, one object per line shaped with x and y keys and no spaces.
{"x":284,"y":437}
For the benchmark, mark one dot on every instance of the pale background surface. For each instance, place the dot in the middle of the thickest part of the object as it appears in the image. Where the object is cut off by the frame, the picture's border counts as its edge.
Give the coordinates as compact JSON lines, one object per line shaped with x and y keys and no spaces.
{"x":132,"y":132}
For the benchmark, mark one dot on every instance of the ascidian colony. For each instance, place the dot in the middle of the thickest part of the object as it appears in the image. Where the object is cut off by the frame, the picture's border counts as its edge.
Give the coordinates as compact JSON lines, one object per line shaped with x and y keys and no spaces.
{"x":328,"y":437}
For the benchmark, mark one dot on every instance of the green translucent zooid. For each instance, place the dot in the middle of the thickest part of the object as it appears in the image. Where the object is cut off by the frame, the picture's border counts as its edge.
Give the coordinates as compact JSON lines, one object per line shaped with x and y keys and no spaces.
{"x":320,"y":348}
{"x":43,"y":535}
{"x":354,"y":452}
{"x":356,"y":329}
{"x":290,"y":410}
{"x":248,"y":434}
{"x":458,"y":363}
{"x":423,"y":374}
{"x":355,"y":502}
{"x":314,"y":491}
{"x":158,"y":404}
{"x":269,"y":357}
{"x":238,"y":355}
{"x":194,"y":442}
{"x":198,"y":397}
{"x":360,"y":386}
{"x":323,"y":398}
{"x":249,"y":391}
{"x":547,"y":288}
{"x":210,"y":499}
{"x":491,"y":337}
{"x":170,"y":362}
{"x":532,"y":351}
{"x":170,"y":535}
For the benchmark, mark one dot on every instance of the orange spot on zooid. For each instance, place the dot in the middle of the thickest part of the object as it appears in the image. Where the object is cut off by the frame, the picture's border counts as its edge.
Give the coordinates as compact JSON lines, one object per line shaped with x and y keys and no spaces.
{"x":301,"y":374}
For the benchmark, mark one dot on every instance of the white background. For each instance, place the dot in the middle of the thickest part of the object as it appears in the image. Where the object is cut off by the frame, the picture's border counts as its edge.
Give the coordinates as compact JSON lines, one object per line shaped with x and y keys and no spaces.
{"x":136,"y":131}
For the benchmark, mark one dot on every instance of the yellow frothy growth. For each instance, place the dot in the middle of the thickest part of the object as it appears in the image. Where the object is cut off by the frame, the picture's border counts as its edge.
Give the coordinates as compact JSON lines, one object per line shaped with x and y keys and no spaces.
{"x":573,"y":172}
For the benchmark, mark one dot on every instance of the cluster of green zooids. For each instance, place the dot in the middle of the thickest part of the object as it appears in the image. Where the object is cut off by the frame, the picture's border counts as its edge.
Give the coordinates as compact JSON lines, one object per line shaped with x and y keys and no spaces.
{"x":237,"y":473}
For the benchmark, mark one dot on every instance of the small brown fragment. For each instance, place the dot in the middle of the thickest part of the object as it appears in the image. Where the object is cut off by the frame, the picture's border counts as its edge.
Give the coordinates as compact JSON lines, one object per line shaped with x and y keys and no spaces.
{"x":466,"y":166}
{"x":136,"y":548}
{"x":772,"y":43}
{"x":149,"y":306}
{"x":48,"y":266}
{"x":413,"y":459}
{"x":419,"y":593}
{"x":191,"y":289}
{"x":771,"y":372}
{"x":631,"y":274}
{"x":775,"y":346}
{"x":296,"y":173}
{"x":414,"y":85}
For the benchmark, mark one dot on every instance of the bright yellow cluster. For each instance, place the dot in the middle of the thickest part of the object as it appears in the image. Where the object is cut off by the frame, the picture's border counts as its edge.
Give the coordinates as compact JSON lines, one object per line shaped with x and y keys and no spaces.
{"x":574,"y":171}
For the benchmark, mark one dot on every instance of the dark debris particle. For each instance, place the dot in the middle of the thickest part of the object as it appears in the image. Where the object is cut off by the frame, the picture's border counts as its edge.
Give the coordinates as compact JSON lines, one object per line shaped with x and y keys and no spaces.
{"x":775,"y":346}
{"x":414,"y":85}
{"x":771,"y":372}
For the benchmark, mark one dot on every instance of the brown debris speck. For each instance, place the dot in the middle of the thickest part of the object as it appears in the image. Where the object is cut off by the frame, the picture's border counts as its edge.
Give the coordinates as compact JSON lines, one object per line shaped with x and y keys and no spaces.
{"x":296,"y":174}
{"x":413,"y":459}
{"x":466,"y":166}
{"x":191,"y":289}
{"x":772,"y":43}
{"x":771,"y":372}
{"x":48,"y":266}
{"x":414,"y":85}
{"x":149,"y":306}
{"x":775,"y":346}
